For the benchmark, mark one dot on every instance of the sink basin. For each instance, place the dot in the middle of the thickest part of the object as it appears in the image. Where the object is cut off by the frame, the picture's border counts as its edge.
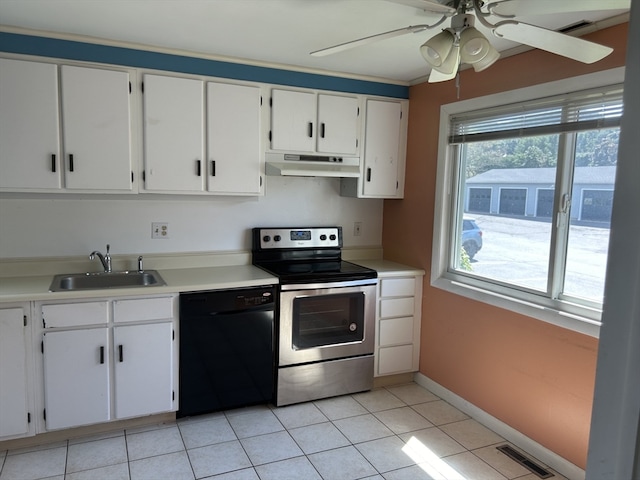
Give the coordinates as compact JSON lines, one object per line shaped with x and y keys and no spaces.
{"x":98,"y":281}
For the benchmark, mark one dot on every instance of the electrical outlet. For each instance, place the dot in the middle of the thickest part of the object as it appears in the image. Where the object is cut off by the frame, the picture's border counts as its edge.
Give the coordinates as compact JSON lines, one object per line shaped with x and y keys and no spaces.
{"x":357,"y":229}
{"x":159,"y":230}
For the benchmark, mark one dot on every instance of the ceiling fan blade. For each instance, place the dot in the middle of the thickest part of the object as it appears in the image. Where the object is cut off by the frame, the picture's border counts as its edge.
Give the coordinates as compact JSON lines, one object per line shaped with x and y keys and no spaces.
{"x":367,"y":40}
{"x":551,"y":41}
{"x":427,"y":6}
{"x":509,"y":8}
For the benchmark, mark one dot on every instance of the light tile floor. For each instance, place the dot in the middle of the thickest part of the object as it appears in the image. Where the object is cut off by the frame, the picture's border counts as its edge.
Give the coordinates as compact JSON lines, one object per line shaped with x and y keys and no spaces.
{"x":393,"y":433}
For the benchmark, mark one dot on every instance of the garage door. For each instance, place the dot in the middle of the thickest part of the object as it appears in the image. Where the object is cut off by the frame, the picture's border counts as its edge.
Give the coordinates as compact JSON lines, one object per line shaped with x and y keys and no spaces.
{"x":480,"y":200}
{"x":513,"y":201}
{"x":596,"y":205}
{"x":544,"y":207}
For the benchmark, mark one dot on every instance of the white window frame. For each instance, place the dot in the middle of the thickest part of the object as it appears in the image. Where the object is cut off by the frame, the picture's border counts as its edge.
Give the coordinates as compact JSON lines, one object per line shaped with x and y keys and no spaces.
{"x":567,"y":315}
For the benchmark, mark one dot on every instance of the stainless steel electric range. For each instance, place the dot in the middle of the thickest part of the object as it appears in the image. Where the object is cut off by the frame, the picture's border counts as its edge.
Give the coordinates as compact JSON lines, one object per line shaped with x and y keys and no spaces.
{"x":324,"y":315}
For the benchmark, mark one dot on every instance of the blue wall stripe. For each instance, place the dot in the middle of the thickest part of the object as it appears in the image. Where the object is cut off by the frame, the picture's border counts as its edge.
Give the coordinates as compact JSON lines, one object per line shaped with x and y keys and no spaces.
{"x":89,"y":52}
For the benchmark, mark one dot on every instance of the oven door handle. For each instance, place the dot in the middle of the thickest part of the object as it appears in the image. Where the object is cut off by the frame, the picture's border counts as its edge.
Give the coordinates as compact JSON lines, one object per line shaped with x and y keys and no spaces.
{"x":336,"y":284}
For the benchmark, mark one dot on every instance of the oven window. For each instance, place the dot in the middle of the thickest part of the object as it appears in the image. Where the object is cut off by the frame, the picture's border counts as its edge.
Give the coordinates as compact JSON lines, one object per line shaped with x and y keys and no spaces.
{"x":328,"y":320}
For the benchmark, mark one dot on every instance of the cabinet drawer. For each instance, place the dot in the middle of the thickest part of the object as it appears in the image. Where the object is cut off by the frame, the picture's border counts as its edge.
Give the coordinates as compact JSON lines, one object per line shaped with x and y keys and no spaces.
{"x":396,"y":307}
{"x":139,"y":309}
{"x":75,"y":314}
{"x":395,"y":359}
{"x":397,"y":287}
{"x":396,"y":331}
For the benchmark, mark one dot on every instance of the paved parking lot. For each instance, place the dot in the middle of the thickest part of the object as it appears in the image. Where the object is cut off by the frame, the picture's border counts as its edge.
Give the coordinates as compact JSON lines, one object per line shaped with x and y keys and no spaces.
{"x":525,"y":243}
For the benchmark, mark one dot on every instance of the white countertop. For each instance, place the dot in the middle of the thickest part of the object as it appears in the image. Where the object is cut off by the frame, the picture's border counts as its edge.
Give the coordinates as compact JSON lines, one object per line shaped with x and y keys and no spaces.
{"x":36,"y":287}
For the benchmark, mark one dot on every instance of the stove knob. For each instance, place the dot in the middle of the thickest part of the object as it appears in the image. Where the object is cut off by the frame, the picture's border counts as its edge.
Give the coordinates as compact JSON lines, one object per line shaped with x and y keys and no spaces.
{"x":323,"y":237}
{"x":266,"y":239}
{"x":277,"y":238}
{"x":332,"y":237}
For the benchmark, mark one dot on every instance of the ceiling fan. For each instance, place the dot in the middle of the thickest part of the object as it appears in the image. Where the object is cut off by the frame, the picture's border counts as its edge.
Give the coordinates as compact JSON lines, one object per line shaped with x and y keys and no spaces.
{"x":461,"y":42}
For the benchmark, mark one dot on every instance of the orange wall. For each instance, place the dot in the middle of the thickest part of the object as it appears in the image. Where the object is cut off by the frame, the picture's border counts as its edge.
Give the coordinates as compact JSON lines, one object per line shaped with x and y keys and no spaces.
{"x":536,"y":377}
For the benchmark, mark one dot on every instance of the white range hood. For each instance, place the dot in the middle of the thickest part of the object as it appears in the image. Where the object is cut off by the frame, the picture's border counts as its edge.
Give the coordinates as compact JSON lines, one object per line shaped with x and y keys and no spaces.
{"x":287,"y":164}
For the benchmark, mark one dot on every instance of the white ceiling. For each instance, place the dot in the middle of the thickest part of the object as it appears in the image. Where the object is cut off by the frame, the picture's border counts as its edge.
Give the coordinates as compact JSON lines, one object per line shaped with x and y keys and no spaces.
{"x":273,"y":31}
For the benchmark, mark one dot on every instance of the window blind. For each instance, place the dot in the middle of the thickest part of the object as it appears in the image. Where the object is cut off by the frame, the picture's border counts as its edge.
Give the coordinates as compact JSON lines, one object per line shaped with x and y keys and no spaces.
{"x":585,"y":110}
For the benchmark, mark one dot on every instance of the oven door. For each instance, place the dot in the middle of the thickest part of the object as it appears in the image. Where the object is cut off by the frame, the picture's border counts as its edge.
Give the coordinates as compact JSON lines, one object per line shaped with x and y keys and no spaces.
{"x":326,"y":321}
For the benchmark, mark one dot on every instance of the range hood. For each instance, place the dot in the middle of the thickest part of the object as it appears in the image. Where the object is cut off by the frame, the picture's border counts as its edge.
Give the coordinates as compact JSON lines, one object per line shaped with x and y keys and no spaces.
{"x":287,"y":164}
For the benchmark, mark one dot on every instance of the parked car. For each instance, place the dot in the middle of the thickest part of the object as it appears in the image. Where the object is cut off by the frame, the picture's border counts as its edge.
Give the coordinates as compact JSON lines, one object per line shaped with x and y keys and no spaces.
{"x":471,"y":237}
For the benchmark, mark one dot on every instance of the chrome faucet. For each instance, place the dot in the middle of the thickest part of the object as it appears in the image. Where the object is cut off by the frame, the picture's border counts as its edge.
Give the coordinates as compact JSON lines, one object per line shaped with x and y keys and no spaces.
{"x":104,"y":259}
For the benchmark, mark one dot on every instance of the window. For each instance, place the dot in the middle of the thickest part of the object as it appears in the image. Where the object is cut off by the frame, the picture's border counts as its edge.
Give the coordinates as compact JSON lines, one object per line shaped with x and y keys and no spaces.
{"x":537,"y":179}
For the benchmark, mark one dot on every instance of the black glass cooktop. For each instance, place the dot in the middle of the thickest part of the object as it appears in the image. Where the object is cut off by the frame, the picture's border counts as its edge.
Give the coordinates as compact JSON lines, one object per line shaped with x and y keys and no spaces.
{"x":323,"y":271}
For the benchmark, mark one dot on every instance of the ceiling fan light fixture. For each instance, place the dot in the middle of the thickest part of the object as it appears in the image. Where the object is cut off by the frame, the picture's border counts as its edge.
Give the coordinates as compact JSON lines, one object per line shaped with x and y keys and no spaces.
{"x":490,"y":58}
{"x":450,"y":65}
{"x":474,"y":46}
{"x":436,"y":50}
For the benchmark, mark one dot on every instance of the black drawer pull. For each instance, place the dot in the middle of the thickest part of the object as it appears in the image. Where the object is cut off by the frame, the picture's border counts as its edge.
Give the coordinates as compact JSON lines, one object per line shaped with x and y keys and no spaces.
{"x":213,"y":168}
{"x":120,"y":353}
{"x":198,"y":168}
{"x":101,"y":355}
{"x":310,"y":129}
{"x":369,"y":174}
{"x":53,"y":163}
{"x":71,"y":162}
{"x":322,"y":130}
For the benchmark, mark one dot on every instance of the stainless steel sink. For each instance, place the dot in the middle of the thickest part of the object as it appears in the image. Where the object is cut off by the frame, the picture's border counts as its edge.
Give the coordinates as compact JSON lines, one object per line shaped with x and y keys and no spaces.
{"x":99,"y":281}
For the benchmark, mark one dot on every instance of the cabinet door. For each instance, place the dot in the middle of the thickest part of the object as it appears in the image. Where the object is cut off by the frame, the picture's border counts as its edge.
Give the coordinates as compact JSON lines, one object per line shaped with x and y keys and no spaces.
{"x":233,"y":138}
{"x":13,"y":373}
{"x":293,"y":116}
{"x":143,"y":369}
{"x":337,"y":124}
{"x":96,"y":128}
{"x":29,"y":127}
{"x":173,"y":134}
{"x":382,"y":148}
{"x":76,"y":377}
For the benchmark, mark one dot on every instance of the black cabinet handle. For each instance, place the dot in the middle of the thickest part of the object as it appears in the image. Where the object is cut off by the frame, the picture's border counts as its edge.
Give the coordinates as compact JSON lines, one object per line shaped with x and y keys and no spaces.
{"x":120,"y":354}
{"x":213,"y":168}
{"x":53,"y":162}
{"x":198,"y":168}
{"x":322,"y":130}
{"x":101,"y":355}
{"x":369,"y":174}
{"x":71,"y":162}
{"x":310,"y":129}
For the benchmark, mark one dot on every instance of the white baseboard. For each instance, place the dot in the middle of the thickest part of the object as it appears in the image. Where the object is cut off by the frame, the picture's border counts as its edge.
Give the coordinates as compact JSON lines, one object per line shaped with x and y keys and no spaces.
{"x":546,"y":456}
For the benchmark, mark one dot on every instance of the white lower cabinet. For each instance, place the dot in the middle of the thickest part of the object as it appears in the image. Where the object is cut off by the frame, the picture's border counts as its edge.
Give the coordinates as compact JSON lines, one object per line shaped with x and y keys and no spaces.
{"x":15,"y":390}
{"x":398,"y":316}
{"x":76,"y":377}
{"x":108,"y":360}
{"x":143,"y":369}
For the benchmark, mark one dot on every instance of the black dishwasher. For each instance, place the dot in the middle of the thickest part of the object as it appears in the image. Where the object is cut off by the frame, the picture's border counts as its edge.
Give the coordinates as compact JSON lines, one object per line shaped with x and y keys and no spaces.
{"x":226,"y":349}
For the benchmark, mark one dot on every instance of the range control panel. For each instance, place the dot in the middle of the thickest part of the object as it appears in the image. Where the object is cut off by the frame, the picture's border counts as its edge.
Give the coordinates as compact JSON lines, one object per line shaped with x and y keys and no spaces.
{"x":313,"y":237}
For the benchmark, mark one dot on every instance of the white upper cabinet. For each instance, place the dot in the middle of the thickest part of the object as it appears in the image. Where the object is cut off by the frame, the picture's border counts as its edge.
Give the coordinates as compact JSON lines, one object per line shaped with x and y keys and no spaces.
{"x":337,"y":124}
{"x":173,"y":134}
{"x":29,"y":126}
{"x":385,"y":135}
{"x":314,"y":123}
{"x":233,"y":139}
{"x":96,"y":128}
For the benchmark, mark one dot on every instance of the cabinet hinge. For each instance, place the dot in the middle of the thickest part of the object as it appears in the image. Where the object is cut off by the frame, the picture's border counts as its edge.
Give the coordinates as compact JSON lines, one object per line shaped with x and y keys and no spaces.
{"x":397,"y":185}
{"x":129,"y":88}
{"x":356,"y":143}
{"x":173,"y":334}
{"x":358,"y":114}
{"x":271,"y":101}
{"x":142,"y":86}
{"x":28,"y":417}
{"x":144,"y":176}
{"x":400,"y":113}
{"x":269,"y":135}
{"x":261,"y":180}
{"x":25,"y":320}
{"x":260,"y":100}
{"x":44,"y":414}
{"x":44,"y":325}
{"x":42,"y":346}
